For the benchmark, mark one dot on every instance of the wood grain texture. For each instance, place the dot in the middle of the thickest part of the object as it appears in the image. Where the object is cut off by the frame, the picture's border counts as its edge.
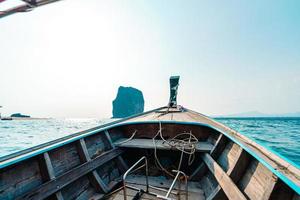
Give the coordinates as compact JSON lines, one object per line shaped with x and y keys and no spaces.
{"x":208,"y":183}
{"x":228,"y":186}
{"x":216,"y":151}
{"x":110,"y":171}
{"x":229,"y":155}
{"x":148,"y":144}
{"x":79,"y":189}
{"x":97,"y":144}
{"x":257,"y":182}
{"x":235,"y":173}
{"x":20,"y":178}
{"x":62,"y":181}
{"x":149,"y":130}
{"x":121,"y":161}
{"x":64,"y":158}
{"x":50,"y":175}
{"x":94,"y":178}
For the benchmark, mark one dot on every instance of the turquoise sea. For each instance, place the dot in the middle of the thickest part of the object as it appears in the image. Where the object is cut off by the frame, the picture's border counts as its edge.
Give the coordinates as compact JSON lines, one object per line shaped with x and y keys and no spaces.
{"x":282,"y":135}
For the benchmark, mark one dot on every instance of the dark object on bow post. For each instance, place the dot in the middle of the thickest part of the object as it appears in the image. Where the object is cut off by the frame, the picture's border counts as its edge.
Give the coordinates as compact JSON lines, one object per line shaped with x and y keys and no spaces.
{"x":174,"y":83}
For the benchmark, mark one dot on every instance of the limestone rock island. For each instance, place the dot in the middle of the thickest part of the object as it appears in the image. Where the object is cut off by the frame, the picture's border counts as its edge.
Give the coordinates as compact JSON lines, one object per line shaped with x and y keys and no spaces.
{"x":129,"y":101}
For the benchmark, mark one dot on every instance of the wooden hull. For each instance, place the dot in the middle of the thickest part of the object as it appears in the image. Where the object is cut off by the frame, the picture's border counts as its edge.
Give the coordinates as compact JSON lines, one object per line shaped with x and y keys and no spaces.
{"x":90,"y":164}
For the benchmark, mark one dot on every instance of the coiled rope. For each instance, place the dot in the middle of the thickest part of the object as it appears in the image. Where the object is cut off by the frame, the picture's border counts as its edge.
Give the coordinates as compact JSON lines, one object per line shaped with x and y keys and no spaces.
{"x":184,"y":142}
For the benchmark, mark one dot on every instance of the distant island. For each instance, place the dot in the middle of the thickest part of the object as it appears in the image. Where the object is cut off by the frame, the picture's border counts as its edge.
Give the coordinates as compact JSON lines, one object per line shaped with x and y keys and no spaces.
{"x":129,"y":101}
{"x":257,"y":114}
{"x":19,"y":115}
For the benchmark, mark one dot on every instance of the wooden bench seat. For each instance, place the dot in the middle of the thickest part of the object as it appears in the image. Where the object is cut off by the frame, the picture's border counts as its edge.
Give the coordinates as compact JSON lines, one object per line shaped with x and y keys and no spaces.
{"x":148,"y":144}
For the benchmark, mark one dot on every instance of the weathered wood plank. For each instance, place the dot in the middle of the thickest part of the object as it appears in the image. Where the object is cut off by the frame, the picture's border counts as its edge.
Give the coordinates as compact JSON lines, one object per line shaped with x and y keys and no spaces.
{"x":258,"y":181}
{"x":109,"y":138}
{"x":219,"y":146}
{"x":216,"y":150}
{"x":235,"y":173}
{"x":229,"y":155}
{"x":148,"y":144}
{"x":64,"y":158}
{"x":283,"y":191}
{"x":81,"y":189}
{"x":63,"y":180}
{"x":208,"y":183}
{"x":120,"y":159}
{"x":96,"y":144}
{"x":110,"y":172}
{"x":93,"y":177}
{"x":49,"y":166}
{"x":230,"y":189}
{"x":50,"y":173}
{"x":20,"y":178}
{"x":83,"y":152}
{"x":97,"y":181}
{"x":240,"y":166}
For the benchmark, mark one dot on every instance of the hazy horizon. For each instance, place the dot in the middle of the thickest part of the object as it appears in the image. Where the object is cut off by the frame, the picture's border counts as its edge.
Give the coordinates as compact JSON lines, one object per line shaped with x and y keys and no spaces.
{"x":68,"y":59}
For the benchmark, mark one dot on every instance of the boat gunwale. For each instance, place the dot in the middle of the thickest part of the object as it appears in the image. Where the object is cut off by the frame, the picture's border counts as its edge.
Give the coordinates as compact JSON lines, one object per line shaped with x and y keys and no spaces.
{"x":123,"y":122}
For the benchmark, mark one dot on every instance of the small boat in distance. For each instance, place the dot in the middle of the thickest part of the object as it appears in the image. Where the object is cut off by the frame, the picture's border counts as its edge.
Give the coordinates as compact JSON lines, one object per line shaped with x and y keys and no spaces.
{"x":6,"y":118}
{"x":167,"y":153}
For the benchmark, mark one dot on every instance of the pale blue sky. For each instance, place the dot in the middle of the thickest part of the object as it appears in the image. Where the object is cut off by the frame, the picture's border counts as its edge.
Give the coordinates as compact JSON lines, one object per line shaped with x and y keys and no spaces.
{"x":68,"y":59}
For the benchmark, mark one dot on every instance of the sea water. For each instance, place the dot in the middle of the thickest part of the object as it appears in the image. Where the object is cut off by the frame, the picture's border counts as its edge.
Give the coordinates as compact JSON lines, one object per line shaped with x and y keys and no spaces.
{"x":18,"y":135}
{"x":282,"y":135}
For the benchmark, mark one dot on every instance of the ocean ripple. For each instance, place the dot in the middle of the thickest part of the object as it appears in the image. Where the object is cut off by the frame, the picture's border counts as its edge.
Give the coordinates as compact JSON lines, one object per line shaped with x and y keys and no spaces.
{"x":282,"y":135}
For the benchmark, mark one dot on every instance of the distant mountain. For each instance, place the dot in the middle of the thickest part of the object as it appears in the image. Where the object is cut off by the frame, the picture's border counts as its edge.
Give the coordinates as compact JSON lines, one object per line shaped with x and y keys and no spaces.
{"x":259,"y":114}
{"x":296,"y":114}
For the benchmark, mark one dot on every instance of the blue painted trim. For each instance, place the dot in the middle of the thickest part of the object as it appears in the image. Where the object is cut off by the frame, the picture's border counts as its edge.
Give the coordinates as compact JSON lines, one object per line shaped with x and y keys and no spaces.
{"x":37,"y":152}
{"x":274,"y":152}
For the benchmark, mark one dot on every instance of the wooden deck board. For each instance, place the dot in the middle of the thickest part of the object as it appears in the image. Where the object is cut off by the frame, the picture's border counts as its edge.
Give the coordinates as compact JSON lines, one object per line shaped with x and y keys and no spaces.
{"x":194,"y":191}
{"x":148,"y":144}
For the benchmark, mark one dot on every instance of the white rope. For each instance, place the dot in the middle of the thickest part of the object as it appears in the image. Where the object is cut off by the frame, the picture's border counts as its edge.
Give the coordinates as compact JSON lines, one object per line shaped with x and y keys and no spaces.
{"x":186,"y":145}
{"x":127,"y":140}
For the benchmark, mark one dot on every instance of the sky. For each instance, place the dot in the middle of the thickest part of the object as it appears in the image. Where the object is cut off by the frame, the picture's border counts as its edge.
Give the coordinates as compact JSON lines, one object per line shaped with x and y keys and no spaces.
{"x":68,"y":59}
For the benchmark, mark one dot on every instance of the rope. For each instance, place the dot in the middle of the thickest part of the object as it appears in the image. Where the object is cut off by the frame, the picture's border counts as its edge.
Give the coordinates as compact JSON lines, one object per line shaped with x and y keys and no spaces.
{"x":186,"y":145}
{"x":127,"y":140}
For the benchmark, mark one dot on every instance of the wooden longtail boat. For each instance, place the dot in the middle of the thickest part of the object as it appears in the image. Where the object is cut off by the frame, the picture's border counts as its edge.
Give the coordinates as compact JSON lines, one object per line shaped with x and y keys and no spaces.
{"x":167,"y":153}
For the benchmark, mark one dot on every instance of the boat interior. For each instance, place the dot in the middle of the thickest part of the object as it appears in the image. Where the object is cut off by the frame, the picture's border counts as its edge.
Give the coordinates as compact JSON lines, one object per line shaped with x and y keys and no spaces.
{"x":154,"y":160}
{"x":176,"y":174}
